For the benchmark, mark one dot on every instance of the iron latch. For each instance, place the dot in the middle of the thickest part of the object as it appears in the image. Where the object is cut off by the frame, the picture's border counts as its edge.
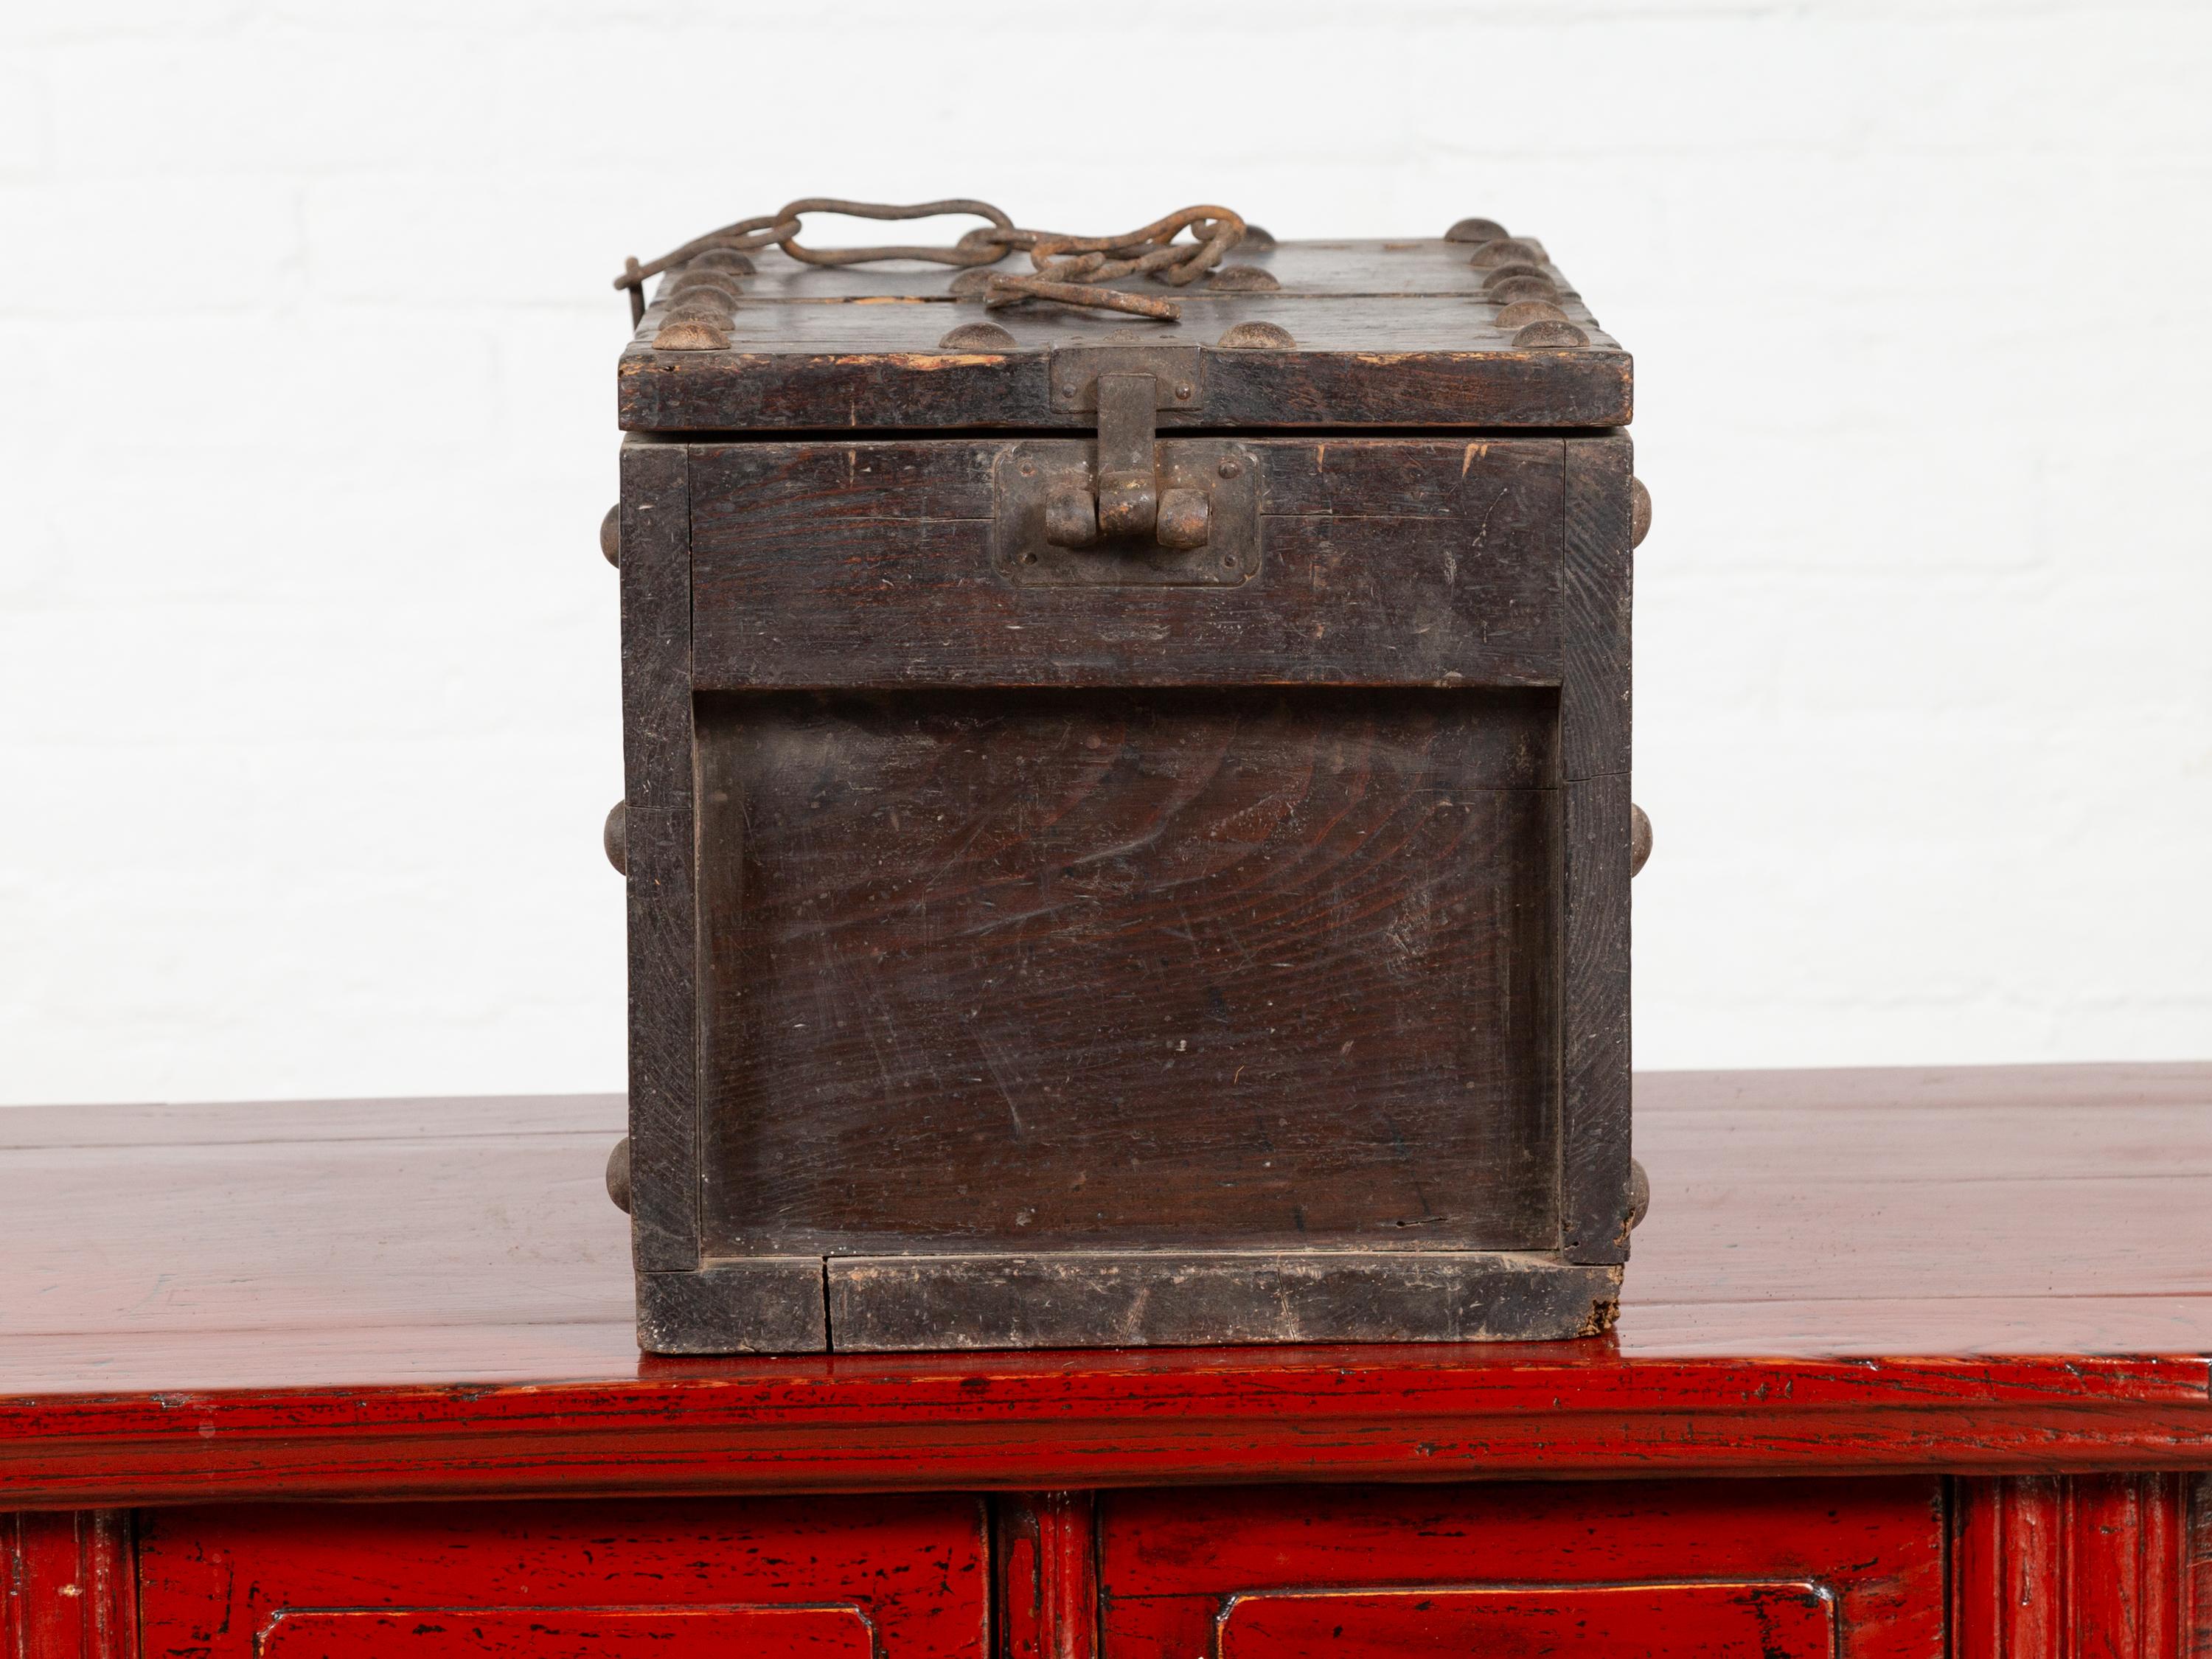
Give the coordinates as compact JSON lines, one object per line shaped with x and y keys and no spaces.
{"x":1130,"y":508}
{"x":1124,"y":500}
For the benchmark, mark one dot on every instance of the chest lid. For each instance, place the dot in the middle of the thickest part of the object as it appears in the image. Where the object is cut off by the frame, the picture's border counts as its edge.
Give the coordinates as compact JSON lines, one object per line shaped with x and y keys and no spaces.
{"x":748,"y":329}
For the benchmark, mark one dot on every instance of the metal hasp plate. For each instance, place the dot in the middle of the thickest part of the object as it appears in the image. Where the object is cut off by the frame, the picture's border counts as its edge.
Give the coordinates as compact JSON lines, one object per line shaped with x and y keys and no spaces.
{"x":1137,"y":512}
{"x":1027,"y":476}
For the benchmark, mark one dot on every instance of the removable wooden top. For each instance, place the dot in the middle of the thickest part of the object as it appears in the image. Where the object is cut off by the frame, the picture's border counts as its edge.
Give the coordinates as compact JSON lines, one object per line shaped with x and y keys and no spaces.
{"x":1384,"y":334}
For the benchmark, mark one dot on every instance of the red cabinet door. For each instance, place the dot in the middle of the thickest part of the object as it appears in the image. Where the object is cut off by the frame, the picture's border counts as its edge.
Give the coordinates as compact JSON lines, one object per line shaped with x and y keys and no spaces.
{"x":1651,"y":1621}
{"x":818,"y":1578}
{"x":1763,"y":1570}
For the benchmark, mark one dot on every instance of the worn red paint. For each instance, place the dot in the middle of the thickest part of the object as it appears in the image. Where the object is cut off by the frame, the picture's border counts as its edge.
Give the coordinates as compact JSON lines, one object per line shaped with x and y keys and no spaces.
{"x":67,"y":1586}
{"x":2045,"y":1567}
{"x":1176,"y":1565}
{"x":1656,"y":1621}
{"x":914,"y":1571}
{"x":572,"y":1633}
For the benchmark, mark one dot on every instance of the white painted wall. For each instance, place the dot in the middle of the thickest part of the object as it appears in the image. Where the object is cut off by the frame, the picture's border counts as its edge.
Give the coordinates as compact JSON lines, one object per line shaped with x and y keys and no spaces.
{"x":307,"y":678}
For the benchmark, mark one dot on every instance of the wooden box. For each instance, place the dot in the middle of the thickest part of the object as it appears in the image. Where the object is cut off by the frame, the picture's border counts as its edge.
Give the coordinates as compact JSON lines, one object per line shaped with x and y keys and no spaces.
{"x":1216,"y":932}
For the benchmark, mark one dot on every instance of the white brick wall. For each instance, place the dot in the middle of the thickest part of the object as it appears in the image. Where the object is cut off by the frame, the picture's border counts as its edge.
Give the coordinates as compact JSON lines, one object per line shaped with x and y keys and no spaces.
{"x":307,"y":683}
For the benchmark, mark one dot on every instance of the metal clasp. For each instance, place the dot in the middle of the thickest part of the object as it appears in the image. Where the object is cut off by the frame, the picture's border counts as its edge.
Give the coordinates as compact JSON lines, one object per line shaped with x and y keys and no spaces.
{"x":1052,"y":499}
{"x":1134,"y":510}
{"x":1127,"y":501}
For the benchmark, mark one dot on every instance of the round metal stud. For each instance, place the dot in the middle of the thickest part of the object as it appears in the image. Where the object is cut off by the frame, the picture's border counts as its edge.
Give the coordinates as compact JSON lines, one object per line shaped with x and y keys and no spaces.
{"x":1505,"y":251}
{"x":1506,"y":273}
{"x":978,"y":337}
{"x":1243,"y":279}
{"x":611,"y":536}
{"x":1522,"y":312}
{"x":1182,"y":521}
{"x":1551,"y":334}
{"x":1523,"y":288}
{"x":1256,"y":236}
{"x":619,"y":1175}
{"x":1639,"y":1195}
{"x":970,"y":284}
{"x":700,"y":303}
{"x":1475,"y":230}
{"x":723,"y":258}
{"x":614,"y":835}
{"x":1639,"y":512}
{"x":1257,"y":337}
{"x":1639,"y":838}
{"x":724,"y":288}
{"x":690,"y":334}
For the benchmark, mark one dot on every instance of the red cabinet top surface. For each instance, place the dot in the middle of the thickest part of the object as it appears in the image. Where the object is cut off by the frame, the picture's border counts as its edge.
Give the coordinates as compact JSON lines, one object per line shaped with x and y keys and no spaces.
{"x":1970,"y":1269}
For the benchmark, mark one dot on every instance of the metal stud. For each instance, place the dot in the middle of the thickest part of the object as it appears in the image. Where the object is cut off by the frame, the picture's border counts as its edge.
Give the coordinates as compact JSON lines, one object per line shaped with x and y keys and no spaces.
{"x":1505,"y":251}
{"x":722,"y":258}
{"x":1523,"y":288}
{"x":1475,"y":230}
{"x":1639,"y":838}
{"x":619,"y":1175}
{"x":1257,"y":337}
{"x":1551,"y":334}
{"x":1506,"y":273}
{"x":614,"y":835}
{"x":611,"y":536}
{"x":1522,"y":312}
{"x":1243,"y":279}
{"x":724,"y":288}
{"x":1639,"y":512}
{"x":1256,"y":236}
{"x":1639,"y":1195}
{"x":690,"y":334}
{"x":700,"y":303}
{"x":976,"y":336}
{"x":971,"y":284}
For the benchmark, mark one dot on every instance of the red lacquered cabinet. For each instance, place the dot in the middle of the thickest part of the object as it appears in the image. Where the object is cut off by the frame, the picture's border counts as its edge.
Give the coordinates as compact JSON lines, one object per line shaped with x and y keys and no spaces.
{"x":1764,"y":1568}
{"x":1911,"y":1365}
{"x":806,"y":1579}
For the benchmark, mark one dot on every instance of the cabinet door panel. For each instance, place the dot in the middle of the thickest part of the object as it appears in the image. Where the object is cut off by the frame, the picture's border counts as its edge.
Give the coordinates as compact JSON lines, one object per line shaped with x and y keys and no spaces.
{"x":1654,"y":1621}
{"x":815,"y":1578}
{"x":1505,"y":1567}
{"x":576,"y":1633}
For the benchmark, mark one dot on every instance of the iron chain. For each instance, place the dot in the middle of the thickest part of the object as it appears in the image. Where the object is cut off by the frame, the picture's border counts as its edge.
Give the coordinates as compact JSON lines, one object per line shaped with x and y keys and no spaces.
{"x":1071,"y":269}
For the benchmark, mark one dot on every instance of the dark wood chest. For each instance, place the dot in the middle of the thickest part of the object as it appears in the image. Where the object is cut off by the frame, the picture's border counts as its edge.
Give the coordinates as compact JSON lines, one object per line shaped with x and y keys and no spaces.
{"x":1127,"y":821}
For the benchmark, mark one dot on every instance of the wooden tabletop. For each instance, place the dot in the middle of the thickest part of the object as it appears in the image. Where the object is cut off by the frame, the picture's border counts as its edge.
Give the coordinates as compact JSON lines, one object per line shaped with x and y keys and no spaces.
{"x":1996,"y":1267}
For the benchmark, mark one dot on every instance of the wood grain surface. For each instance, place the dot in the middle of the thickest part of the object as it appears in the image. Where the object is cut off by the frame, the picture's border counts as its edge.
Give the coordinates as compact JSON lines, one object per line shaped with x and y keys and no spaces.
{"x":902,"y":1578}
{"x":69,"y":1585}
{"x":2000,"y":1269}
{"x":852,"y":565}
{"x":1384,"y":333}
{"x":2094,"y":1565}
{"x":1759,"y":1620}
{"x":1028,"y":971}
{"x":658,"y":815}
{"x":1862,"y":1560}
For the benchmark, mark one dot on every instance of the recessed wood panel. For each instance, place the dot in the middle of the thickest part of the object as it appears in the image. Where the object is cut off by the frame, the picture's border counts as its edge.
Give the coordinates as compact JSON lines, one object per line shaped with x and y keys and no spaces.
{"x":1270,"y":969}
{"x":818,"y":1578}
{"x":1179,"y":1570}
{"x":1651,"y":1621}
{"x":668,"y":1632}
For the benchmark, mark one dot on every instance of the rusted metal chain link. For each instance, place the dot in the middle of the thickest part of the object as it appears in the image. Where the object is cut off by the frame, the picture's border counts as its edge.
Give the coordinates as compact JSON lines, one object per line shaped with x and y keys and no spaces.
{"x":1071,"y":269}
